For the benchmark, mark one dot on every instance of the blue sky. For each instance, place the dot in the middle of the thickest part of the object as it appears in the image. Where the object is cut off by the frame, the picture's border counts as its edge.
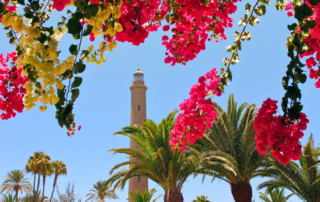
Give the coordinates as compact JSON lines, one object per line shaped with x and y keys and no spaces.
{"x":104,"y":104}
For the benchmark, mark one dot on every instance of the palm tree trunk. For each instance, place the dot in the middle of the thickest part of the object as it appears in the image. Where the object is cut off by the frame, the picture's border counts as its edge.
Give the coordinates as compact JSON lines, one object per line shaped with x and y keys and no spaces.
{"x":17,"y":192}
{"x":38,"y":186}
{"x":174,"y":196}
{"x":34,"y":182}
{"x":44,"y":185}
{"x":241,"y":191}
{"x":54,"y":185}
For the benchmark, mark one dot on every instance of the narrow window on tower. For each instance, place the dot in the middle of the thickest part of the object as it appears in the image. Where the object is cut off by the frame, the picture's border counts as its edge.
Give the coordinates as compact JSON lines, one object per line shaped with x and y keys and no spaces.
{"x":138,"y":178}
{"x":138,"y":107}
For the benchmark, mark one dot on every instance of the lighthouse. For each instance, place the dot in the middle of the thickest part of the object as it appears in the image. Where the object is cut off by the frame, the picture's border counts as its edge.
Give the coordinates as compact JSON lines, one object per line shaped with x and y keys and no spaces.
{"x":138,"y":115}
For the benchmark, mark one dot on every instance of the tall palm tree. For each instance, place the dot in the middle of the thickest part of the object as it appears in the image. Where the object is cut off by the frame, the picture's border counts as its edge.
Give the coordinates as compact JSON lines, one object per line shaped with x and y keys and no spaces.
{"x":8,"y":198}
{"x":143,"y":197}
{"x":276,"y":195}
{"x":15,"y":181}
{"x":156,"y":161}
{"x":34,"y":165}
{"x":32,"y":168}
{"x":101,"y":191}
{"x":228,"y":149}
{"x":46,"y":170}
{"x":302,"y":179}
{"x":201,"y":199}
{"x":60,"y":168}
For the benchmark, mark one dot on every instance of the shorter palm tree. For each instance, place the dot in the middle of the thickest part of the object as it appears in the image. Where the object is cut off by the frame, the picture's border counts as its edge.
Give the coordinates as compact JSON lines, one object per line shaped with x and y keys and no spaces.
{"x":59,"y":168}
{"x":8,"y":198}
{"x":156,"y":161}
{"x":101,"y":191}
{"x":276,"y":195}
{"x":15,"y":181}
{"x":46,"y":170}
{"x":143,"y":197}
{"x":302,"y":179}
{"x":201,"y":199}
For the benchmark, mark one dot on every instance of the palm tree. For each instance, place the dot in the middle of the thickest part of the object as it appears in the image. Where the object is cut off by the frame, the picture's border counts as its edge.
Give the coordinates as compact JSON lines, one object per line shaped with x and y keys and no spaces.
{"x":143,"y":197}
{"x":276,"y":195}
{"x":15,"y":181}
{"x":34,"y":165}
{"x":101,"y":191}
{"x":302,"y":179}
{"x":201,"y":199}
{"x":60,"y":168}
{"x":156,"y":161}
{"x":8,"y":198}
{"x":42,"y":160}
{"x":228,"y":149}
{"x":32,"y":168}
{"x":46,"y":170}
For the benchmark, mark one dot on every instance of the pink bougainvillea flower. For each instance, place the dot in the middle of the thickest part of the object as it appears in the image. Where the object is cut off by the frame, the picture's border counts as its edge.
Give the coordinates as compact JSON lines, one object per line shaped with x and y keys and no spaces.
{"x":11,"y":87}
{"x":166,"y":28}
{"x":282,"y":139}
{"x":198,"y":112}
{"x":92,"y":37}
{"x":12,"y":8}
{"x":59,"y":5}
{"x":290,"y":14}
{"x":95,"y":1}
{"x":165,"y":38}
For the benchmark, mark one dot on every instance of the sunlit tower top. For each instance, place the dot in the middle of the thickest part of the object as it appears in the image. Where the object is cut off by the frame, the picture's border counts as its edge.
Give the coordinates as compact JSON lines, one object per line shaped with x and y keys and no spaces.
{"x":138,"y":115}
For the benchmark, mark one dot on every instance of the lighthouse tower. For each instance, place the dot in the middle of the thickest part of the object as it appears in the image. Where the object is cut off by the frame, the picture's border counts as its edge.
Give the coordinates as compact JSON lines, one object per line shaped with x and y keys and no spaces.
{"x":138,"y":115}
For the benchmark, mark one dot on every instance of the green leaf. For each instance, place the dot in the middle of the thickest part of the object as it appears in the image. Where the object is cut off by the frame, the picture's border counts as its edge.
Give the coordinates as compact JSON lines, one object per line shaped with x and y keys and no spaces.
{"x":35,"y":5}
{"x":21,"y":2}
{"x":79,"y":68}
{"x":285,"y":81}
{"x":67,"y":74}
{"x":308,"y":25}
{"x":168,"y":18}
{"x":74,"y":26}
{"x":80,"y":4}
{"x":260,"y":10}
{"x":229,"y":74}
{"x":87,"y":30}
{"x":75,"y":94}
{"x":290,"y":51}
{"x":84,"y":54}
{"x":1,"y":8}
{"x":266,"y":2}
{"x":47,"y":29}
{"x":12,"y":39}
{"x":295,"y":110}
{"x":73,"y":49}
{"x":61,"y":94}
{"x":284,"y":104}
{"x":292,"y":27}
{"x":91,"y":11}
{"x":246,"y":36}
{"x":67,"y":109}
{"x":248,"y":7}
{"x":300,"y":77}
{"x":239,"y":45}
{"x":302,"y":11}
{"x":314,"y":2}
{"x":77,"y":82}
{"x":253,"y":21}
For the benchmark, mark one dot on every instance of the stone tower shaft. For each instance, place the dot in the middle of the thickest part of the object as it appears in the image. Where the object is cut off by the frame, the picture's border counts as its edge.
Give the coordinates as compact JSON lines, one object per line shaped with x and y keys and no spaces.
{"x":138,"y":115}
